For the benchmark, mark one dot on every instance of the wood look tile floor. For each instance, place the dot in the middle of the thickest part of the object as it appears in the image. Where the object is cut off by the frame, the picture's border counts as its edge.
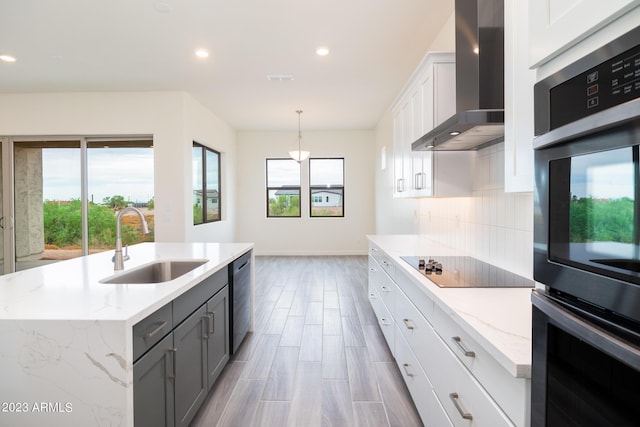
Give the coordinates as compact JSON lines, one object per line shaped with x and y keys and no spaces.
{"x":317,"y":356}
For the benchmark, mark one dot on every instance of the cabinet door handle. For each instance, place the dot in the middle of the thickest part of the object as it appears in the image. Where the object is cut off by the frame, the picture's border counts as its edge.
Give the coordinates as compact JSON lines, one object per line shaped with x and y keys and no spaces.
{"x":212,"y":325}
{"x":400,"y":185}
{"x":405,"y":366}
{"x":205,"y":328}
{"x":156,"y":330}
{"x":385,"y":289}
{"x":174,"y":356}
{"x":373,"y":296}
{"x":456,"y":402}
{"x":385,"y":321}
{"x":466,"y":352}
{"x":408,"y":324}
{"x":419,"y":180}
{"x":373,"y":270}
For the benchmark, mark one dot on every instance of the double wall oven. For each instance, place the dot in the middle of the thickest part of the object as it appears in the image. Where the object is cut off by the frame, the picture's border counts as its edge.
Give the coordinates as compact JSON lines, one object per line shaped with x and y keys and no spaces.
{"x":586,"y":317}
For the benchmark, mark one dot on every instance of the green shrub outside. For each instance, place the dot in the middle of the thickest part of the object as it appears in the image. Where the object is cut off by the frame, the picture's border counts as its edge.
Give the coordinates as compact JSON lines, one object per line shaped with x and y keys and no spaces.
{"x":63,"y":225}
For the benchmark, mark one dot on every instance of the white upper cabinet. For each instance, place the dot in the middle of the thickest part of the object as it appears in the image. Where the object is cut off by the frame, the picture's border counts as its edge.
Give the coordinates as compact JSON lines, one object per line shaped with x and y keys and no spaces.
{"x":518,"y":99}
{"x":556,"y":25}
{"x":428,"y":100}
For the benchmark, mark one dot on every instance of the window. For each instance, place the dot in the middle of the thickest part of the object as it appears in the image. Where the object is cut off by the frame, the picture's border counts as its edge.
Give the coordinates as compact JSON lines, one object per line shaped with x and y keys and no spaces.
{"x":283,"y":188}
{"x":326,"y":187}
{"x":206,"y":184}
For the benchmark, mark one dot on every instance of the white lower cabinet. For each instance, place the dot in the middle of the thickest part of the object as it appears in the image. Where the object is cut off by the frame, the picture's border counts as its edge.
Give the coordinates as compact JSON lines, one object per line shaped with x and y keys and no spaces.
{"x":452,"y":380}
{"x":418,"y":383}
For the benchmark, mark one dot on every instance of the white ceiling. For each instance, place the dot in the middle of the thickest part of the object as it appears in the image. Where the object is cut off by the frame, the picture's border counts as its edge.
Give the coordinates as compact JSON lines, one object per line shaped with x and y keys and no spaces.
{"x":148,"y":45}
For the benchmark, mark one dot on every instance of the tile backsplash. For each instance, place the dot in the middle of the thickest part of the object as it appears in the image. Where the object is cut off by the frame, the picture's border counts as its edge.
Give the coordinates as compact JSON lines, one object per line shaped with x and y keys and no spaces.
{"x":491,"y":225}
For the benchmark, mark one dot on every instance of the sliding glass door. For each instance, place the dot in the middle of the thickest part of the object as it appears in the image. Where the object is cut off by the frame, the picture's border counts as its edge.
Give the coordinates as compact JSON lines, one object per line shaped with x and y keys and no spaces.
{"x":64,"y":194}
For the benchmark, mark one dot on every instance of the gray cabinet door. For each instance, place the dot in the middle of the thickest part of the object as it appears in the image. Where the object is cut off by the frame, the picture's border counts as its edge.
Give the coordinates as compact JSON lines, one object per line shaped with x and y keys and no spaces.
{"x":153,"y":387}
{"x":190,"y":340}
{"x":218,"y":334}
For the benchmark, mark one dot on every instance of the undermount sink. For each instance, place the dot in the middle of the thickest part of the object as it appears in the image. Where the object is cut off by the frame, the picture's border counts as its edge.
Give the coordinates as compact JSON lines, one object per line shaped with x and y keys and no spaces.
{"x":155,"y":272}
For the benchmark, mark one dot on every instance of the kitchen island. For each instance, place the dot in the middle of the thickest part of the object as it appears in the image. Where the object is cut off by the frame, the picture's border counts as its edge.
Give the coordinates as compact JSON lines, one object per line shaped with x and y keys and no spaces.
{"x":67,"y":353}
{"x":465,"y":353}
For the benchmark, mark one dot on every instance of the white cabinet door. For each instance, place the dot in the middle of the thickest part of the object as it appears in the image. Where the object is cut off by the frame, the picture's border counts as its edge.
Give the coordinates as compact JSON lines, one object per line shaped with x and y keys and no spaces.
{"x":556,"y":25}
{"x":444,"y":91}
{"x":518,"y":100}
{"x":428,"y":101}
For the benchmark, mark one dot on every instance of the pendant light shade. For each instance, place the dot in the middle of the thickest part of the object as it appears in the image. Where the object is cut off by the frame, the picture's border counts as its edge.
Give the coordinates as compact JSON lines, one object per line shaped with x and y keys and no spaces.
{"x":299,"y":155}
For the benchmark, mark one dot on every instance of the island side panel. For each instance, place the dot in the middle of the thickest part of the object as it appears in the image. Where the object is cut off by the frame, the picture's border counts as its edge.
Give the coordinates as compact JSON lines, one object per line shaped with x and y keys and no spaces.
{"x":65,"y":372}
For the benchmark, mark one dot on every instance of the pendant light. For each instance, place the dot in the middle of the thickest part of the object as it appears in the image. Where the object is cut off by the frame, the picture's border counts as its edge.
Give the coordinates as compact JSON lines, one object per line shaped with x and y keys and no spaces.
{"x":299,"y":155}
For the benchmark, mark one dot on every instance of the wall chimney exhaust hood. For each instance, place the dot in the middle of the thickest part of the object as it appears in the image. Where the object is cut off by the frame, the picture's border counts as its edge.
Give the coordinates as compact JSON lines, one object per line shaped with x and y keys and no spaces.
{"x":479,"y":118}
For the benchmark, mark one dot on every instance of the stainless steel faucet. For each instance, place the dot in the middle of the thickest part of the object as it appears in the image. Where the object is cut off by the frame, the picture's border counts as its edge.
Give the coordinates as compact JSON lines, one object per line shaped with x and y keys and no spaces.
{"x":118,"y":260}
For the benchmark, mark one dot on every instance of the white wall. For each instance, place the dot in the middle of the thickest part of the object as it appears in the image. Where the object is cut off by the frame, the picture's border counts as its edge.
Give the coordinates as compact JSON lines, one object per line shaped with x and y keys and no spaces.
{"x":205,"y":128}
{"x":173,"y":118}
{"x":304,"y":235}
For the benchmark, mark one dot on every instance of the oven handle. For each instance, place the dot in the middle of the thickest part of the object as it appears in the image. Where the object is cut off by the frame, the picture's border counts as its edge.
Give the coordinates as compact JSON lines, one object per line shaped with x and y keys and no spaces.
{"x":593,"y":335}
{"x":614,"y":116}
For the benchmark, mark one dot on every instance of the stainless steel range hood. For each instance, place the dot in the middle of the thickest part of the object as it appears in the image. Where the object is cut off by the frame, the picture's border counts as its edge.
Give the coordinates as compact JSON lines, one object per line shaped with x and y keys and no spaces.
{"x":479,"y":118}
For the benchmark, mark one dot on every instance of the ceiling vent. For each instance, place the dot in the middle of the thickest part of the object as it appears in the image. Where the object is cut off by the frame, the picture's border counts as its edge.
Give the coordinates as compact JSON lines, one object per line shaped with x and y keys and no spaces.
{"x":279,"y":77}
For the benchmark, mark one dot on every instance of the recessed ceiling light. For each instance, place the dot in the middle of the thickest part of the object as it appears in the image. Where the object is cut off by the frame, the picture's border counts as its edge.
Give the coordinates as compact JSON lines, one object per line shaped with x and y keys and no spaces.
{"x":7,"y":58}
{"x":322,"y":51}
{"x":202,"y":53}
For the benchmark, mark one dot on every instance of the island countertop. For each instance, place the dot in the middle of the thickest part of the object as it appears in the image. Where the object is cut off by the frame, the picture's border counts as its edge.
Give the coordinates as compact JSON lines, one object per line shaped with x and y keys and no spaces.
{"x":67,"y":349}
{"x":71,"y":290}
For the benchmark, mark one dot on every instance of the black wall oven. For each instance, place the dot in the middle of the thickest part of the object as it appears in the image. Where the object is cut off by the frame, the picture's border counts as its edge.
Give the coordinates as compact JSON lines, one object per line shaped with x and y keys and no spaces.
{"x":586,"y":317}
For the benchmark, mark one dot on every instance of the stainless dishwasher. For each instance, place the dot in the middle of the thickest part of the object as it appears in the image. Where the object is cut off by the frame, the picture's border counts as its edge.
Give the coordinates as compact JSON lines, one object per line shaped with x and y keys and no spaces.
{"x":240,"y":298}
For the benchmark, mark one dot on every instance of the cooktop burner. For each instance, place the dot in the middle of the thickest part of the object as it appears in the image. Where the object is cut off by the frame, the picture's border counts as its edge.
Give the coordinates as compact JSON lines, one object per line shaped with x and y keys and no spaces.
{"x":465,"y":272}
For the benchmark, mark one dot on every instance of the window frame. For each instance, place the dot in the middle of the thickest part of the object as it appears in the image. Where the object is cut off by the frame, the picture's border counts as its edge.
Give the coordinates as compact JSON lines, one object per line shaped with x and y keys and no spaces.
{"x":288,"y":187}
{"x":203,"y":180}
{"x":324,"y":187}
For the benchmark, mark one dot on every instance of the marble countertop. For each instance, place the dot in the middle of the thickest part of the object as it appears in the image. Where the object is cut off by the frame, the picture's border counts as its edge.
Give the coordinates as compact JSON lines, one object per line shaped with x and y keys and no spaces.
{"x":499,"y":319}
{"x":70,"y":290}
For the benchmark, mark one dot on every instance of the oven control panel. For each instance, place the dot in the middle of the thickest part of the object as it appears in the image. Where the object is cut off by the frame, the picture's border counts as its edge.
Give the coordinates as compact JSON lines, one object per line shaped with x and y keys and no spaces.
{"x":613,"y":82}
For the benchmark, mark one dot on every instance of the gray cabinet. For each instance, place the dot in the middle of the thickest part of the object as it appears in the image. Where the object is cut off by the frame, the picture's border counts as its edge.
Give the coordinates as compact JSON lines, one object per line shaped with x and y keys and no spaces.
{"x":153,"y":390}
{"x":217,"y":335}
{"x":181,"y":350}
{"x":191,"y":366}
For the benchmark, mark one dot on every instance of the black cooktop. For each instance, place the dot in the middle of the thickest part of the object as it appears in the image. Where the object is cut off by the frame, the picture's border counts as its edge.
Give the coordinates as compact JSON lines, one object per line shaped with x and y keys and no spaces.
{"x":465,"y":272}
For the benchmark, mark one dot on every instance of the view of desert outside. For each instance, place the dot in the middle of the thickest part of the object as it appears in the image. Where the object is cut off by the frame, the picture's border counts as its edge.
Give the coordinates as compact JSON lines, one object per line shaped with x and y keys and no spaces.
{"x":117,"y":177}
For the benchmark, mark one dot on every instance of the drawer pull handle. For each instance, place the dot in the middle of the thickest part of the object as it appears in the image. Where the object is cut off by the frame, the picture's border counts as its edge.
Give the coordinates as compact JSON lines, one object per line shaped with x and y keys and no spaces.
{"x":455,"y":399}
{"x":385,"y":263}
{"x":405,"y":366}
{"x":385,"y":321}
{"x":408,"y":324}
{"x":156,"y":330}
{"x":466,"y":352}
{"x":174,"y":353}
{"x":373,"y":296}
{"x":385,"y":289}
{"x":374,"y":249}
{"x":373,"y":270}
